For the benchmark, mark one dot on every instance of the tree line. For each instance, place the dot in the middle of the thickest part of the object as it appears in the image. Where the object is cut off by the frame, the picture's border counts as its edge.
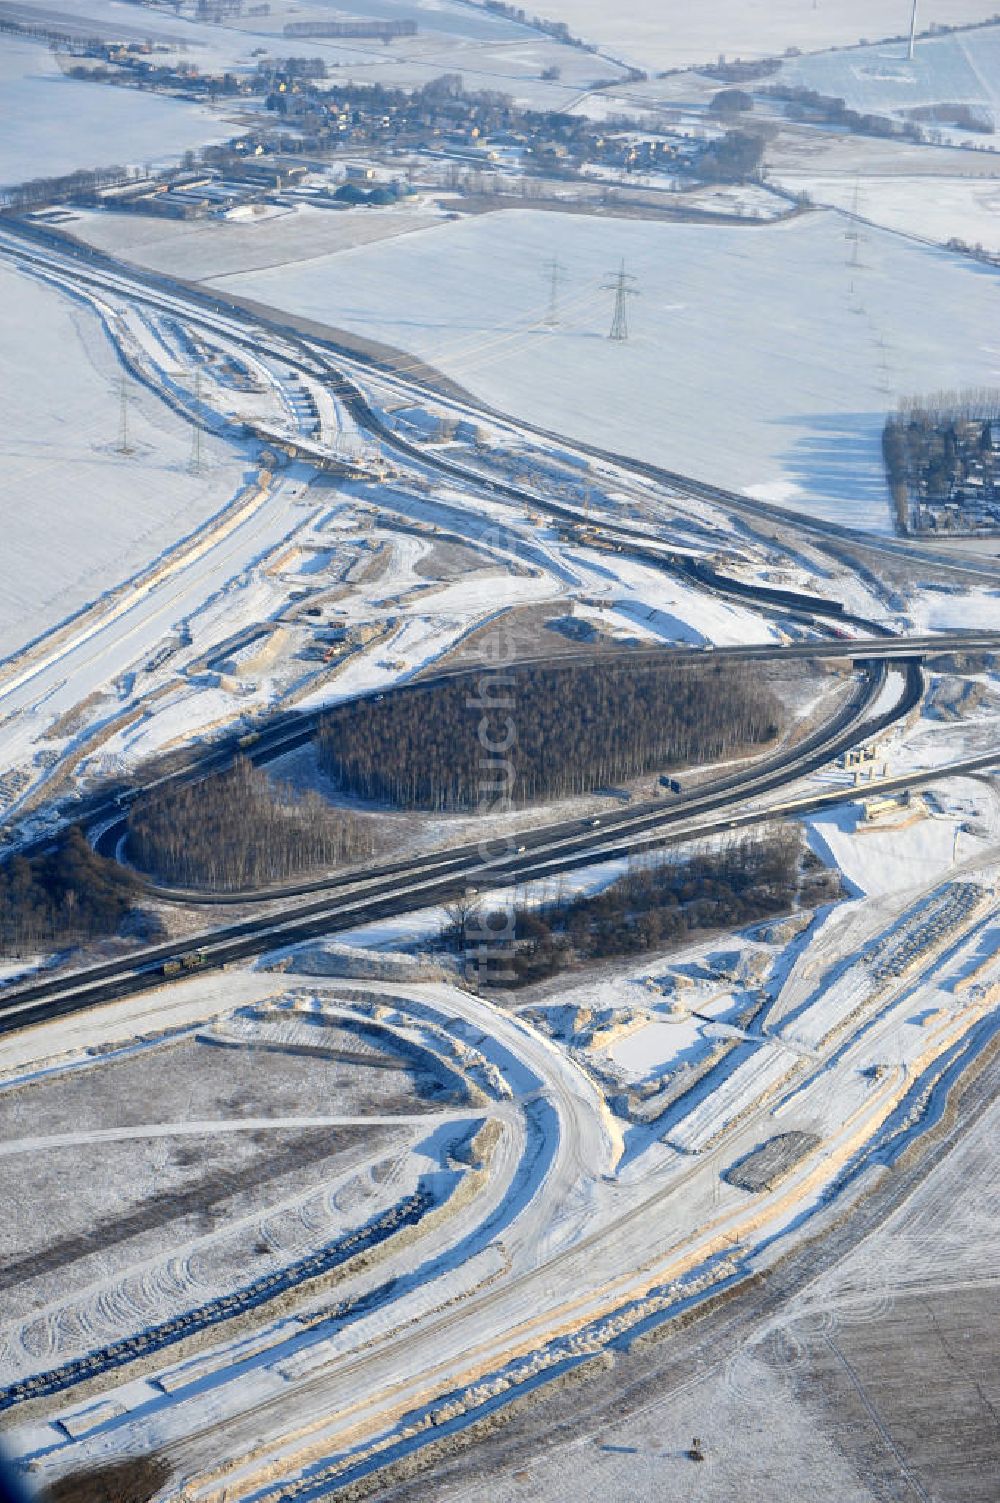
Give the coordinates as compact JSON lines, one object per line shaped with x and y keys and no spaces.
{"x":807,"y":104}
{"x":653,"y":907}
{"x":65,"y":896}
{"x":928,"y":445}
{"x":83,"y":183}
{"x":241,"y":829}
{"x":736,"y":158}
{"x":541,"y":732}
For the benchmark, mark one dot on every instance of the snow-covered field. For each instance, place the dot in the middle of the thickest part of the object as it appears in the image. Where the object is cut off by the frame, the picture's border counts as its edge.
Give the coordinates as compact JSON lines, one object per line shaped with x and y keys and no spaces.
{"x":79,"y":517}
{"x":963,"y":68}
{"x":50,"y":124}
{"x":490,"y":51}
{"x":933,"y":192}
{"x":650,"y":35}
{"x":440,"y":23}
{"x":198,"y":249}
{"x":138,"y":1161}
{"x":969,"y":610}
{"x":879,"y":859}
{"x":933,"y":208}
{"x":759,"y":359}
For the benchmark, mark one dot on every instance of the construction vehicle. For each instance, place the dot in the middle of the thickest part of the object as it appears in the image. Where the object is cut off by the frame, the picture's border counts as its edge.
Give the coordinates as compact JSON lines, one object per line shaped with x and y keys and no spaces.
{"x":192,"y":960}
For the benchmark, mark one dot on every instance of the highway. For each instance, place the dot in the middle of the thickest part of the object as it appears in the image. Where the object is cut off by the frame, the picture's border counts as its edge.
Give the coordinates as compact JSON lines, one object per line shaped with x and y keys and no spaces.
{"x":551,"y":1287}
{"x":815,"y":750}
{"x":439,"y":879}
{"x":403,"y":886}
{"x":34,"y":244}
{"x":287,"y":732}
{"x":431,"y":880}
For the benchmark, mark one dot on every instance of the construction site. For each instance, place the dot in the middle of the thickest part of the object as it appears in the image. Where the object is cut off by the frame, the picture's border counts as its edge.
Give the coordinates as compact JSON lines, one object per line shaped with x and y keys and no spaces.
{"x":499,"y":787}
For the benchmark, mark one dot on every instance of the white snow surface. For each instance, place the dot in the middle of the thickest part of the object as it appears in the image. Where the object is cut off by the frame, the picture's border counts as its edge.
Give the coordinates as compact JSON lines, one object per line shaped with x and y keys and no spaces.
{"x":77,"y":516}
{"x":963,"y":68}
{"x":220,"y":247}
{"x":930,"y":207}
{"x":882,"y":859}
{"x":652,"y":35}
{"x":970,"y":610}
{"x":815,"y":351}
{"x":52,"y":125}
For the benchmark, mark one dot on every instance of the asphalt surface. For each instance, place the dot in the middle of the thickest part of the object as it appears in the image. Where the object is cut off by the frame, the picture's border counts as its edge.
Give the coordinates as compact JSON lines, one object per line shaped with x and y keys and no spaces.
{"x":404,"y":887}
{"x":91,"y":265}
{"x":288,"y":732}
{"x":441,"y":879}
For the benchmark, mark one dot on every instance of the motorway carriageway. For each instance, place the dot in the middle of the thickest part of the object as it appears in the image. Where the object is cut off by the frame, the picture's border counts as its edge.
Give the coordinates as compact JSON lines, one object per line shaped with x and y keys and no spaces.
{"x":466,"y":865}
{"x":824,"y":743}
{"x":22,"y":1007}
{"x":289,"y":732}
{"x":562,"y":842}
{"x":441,"y":879}
{"x":36,"y":244}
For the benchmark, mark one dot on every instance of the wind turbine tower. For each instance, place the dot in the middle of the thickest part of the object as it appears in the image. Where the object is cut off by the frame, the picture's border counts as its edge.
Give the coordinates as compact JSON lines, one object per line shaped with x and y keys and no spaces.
{"x":913,"y":32}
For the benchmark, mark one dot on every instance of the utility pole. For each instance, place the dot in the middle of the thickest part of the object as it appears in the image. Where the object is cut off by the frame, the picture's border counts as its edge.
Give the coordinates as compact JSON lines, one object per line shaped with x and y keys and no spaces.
{"x":556,"y":273}
{"x":123,"y":444}
{"x":913,"y":33}
{"x":623,"y":290}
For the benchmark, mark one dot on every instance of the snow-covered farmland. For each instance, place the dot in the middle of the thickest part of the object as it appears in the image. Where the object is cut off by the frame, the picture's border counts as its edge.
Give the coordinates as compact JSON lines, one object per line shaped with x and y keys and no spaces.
{"x":489,"y":50}
{"x":78,"y":517}
{"x":650,"y":35}
{"x":51,"y":124}
{"x":934,"y":208}
{"x":198,"y":249}
{"x":224,"y":42}
{"x":963,"y":68}
{"x":759,"y":358}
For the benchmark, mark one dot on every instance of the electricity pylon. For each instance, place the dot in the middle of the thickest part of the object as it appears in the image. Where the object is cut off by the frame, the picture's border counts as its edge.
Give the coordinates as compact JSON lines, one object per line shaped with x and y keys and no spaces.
{"x":622,"y":290}
{"x":196,"y":462}
{"x":124,"y":446}
{"x":556,"y":273}
{"x":196,"y":457}
{"x":853,"y":233}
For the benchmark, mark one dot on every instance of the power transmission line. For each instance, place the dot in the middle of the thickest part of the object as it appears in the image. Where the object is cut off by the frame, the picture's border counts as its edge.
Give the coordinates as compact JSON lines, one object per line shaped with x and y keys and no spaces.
{"x":123,"y":444}
{"x":196,"y":465}
{"x":196,"y":462}
{"x":853,"y":234}
{"x":556,"y":273}
{"x":623,"y":290}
